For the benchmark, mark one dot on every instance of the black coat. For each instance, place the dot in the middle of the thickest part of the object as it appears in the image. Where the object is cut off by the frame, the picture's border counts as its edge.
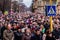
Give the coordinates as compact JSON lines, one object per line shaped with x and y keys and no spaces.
{"x":50,"y":38}
{"x":59,"y":31}
{"x":46,"y":26}
{"x":36,"y":37}
{"x":18,"y":35}
{"x":0,"y":33}
{"x":2,"y":30}
{"x":56,"y":34}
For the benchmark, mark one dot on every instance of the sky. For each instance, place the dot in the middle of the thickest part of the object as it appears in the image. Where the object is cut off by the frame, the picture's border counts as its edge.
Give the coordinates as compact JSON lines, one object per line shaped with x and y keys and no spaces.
{"x":27,"y":2}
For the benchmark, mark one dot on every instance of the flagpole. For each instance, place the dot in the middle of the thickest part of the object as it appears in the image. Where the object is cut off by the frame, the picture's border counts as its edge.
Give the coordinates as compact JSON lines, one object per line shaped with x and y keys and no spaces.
{"x":51,"y":26}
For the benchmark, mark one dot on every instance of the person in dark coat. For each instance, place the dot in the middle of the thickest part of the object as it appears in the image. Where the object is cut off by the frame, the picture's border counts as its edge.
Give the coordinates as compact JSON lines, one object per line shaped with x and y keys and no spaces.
{"x":2,"y":30}
{"x":59,"y":32}
{"x":0,"y":33}
{"x":37,"y":35}
{"x":46,"y":26}
{"x":56,"y":33}
{"x":49,"y":36}
{"x":18,"y":35}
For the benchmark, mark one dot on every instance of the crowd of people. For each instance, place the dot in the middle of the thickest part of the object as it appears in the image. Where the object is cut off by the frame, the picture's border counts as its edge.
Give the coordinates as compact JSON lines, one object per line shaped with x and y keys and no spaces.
{"x":29,"y":26}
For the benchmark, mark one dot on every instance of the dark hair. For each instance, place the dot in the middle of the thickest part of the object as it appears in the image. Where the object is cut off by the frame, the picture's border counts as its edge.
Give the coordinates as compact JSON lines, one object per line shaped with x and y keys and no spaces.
{"x":37,"y":29}
{"x":27,"y":29}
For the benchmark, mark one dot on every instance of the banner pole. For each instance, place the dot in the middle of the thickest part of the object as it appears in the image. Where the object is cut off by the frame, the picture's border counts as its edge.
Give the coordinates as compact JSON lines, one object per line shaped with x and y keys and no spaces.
{"x":51,"y":27}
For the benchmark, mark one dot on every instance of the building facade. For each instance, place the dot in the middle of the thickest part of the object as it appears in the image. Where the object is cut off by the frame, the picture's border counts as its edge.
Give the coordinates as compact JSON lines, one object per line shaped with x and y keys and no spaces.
{"x":58,"y":7}
{"x":40,"y":5}
{"x":15,"y":5}
{"x":5,"y":5}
